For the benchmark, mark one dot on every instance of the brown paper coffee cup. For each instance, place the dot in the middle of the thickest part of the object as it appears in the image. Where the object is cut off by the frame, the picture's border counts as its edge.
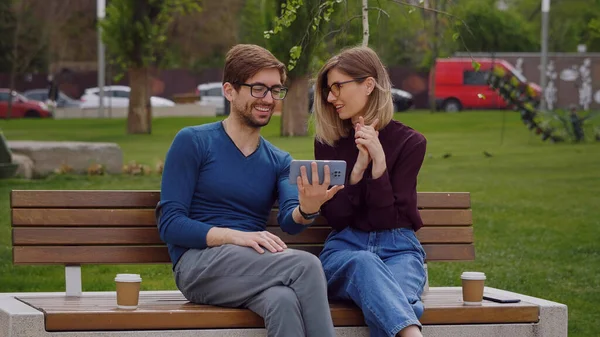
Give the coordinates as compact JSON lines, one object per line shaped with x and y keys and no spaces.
{"x":472,"y":287}
{"x":128,"y":290}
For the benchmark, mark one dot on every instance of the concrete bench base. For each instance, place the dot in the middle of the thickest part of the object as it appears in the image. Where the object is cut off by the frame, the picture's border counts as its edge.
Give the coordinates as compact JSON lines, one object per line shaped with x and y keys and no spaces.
{"x":46,"y":157}
{"x":18,"y":319}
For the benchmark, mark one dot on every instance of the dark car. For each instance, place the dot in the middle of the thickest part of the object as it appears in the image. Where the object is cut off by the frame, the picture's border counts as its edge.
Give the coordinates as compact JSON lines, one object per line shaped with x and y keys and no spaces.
{"x":402,"y":100}
{"x":63,"y":101}
{"x":21,"y":106}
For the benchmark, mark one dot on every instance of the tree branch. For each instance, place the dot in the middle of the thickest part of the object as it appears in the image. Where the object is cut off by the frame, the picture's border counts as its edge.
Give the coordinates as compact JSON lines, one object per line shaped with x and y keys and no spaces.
{"x":365,"y":22}
{"x":343,"y":27}
{"x":380,"y":10}
{"x":404,"y":3}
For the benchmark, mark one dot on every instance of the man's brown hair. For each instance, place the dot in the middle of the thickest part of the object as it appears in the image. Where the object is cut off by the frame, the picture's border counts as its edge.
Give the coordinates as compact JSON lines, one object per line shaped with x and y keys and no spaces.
{"x":245,"y":60}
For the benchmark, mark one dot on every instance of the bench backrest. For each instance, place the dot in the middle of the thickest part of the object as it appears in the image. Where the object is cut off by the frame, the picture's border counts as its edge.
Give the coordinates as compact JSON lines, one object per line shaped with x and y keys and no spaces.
{"x":117,"y":227}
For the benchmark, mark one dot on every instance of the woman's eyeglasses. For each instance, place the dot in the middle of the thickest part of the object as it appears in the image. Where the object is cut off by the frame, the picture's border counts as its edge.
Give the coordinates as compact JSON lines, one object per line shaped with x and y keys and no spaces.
{"x":336,"y":87}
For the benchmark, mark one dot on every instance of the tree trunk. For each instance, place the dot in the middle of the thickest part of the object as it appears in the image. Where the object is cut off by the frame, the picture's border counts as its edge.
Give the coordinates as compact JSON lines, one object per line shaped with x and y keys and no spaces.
{"x":365,"y":22}
{"x":294,"y":117}
{"x":139,"y":118}
{"x":13,"y":77}
{"x":14,"y":67}
{"x":434,"y":54}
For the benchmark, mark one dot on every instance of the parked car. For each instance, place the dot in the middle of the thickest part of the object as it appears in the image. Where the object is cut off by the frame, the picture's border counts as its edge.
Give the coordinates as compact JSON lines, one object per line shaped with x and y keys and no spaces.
{"x":21,"y":106}
{"x":403,"y":100}
{"x":116,"y":96}
{"x":458,"y":86}
{"x":211,"y":94}
{"x":63,"y":101}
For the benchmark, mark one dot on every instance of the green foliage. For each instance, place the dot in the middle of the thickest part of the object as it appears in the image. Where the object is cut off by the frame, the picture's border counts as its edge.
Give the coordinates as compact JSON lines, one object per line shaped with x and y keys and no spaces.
{"x":488,"y":29}
{"x":592,"y":35}
{"x":569,"y":22}
{"x":31,"y":47}
{"x":298,"y":16}
{"x":7,"y":21}
{"x":135,"y":32}
{"x":256,"y":18}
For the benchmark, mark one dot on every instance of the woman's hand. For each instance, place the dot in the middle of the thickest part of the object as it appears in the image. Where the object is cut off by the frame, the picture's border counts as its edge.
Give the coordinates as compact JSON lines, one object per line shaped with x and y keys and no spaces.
{"x":363,"y":159}
{"x":368,"y":138}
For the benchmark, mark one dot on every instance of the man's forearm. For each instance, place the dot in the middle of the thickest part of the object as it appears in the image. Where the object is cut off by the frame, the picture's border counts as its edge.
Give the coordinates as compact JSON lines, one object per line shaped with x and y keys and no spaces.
{"x":217,"y":236}
{"x":298,"y":218}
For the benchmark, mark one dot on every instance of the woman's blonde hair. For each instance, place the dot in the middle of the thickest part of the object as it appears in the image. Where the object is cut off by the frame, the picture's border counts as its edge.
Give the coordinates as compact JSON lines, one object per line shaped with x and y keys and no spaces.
{"x":357,"y":62}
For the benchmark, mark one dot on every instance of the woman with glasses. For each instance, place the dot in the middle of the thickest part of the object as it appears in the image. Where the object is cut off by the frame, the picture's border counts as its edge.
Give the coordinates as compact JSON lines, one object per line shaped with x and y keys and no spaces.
{"x":372,"y":256}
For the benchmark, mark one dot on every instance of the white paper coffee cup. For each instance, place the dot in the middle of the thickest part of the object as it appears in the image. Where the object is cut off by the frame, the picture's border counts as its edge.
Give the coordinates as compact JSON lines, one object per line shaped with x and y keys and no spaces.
{"x":472,"y":287}
{"x":128,"y":290}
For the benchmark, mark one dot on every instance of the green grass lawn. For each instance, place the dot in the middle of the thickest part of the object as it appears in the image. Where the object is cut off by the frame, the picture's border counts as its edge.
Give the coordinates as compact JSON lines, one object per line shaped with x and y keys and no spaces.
{"x":535,"y":205}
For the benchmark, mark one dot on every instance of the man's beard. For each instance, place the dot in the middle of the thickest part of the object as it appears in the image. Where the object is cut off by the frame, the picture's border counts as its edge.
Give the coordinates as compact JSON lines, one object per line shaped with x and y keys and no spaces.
{"x":246,"y":117}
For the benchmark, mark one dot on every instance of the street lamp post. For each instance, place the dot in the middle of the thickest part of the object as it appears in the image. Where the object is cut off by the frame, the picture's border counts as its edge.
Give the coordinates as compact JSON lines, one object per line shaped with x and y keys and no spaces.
{"x":101,"y":8}
{"x":544,"y":55}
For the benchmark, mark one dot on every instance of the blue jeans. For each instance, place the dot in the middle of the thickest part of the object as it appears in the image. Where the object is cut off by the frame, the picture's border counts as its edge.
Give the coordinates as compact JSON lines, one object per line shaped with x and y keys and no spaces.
{"x":381,"y":271}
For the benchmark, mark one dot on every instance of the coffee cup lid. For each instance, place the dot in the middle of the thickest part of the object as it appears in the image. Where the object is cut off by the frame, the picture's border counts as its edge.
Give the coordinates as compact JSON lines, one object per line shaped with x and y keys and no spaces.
{"x":128,"y":278}
{"x":472,"y":275}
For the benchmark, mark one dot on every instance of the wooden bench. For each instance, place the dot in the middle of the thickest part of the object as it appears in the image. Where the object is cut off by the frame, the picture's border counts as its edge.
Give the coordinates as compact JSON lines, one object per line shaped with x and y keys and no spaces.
{"x":73,"y":228}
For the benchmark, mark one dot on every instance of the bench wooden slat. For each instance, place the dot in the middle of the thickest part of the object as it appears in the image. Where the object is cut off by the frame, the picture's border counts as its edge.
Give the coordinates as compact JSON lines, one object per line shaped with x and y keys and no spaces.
{"x":430,"y":217}
{"x":83,"y":199}
{"x":149,"y":199}
{"x":83,"y":217}
{"x":77,"y":255}
{"x":444,"y":200}
{"x":78,"y":236}
{"x":145,"y":217}
{"x":172,"y":311}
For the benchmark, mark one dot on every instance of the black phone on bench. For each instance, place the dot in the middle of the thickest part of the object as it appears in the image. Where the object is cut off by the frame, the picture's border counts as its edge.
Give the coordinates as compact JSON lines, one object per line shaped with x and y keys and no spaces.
{"x":500,"y":299}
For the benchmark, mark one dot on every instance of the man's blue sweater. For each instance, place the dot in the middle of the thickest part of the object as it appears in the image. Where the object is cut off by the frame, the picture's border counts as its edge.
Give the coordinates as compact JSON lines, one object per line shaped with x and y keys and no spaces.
{"x":208,"y":182}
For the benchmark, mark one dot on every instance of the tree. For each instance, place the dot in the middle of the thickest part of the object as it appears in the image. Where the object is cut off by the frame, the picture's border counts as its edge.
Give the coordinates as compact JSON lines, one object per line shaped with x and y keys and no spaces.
{"x":569,"y":22}
{"x":135,"y":32}
{"x":256,"y":18}
{"x":300,"y":36}
{"x":488,"y":29}
{"x":438,"y":24}
{"x":26,"y":50}
{"x":198,"y":41}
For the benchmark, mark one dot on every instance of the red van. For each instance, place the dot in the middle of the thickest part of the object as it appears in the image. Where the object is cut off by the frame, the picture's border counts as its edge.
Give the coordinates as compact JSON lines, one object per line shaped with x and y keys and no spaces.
{"x":458,"y":86}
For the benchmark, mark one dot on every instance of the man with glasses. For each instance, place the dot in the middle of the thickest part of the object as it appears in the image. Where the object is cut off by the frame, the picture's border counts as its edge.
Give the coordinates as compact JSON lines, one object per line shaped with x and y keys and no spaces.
{"x":219,"y":183}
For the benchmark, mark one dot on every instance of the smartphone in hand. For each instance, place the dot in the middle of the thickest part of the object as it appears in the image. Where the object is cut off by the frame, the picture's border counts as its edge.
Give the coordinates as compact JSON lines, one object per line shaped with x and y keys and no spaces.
{"x":337,"y":171}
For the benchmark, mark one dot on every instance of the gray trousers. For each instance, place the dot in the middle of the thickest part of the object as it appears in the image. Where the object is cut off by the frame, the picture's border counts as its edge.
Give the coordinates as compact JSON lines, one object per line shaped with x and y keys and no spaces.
{"x":288,"y":289}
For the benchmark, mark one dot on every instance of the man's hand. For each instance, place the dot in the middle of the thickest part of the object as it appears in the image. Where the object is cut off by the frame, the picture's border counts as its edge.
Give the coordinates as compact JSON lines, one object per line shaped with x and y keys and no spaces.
{"x":312,"y":195}
{"x":219,"y":236}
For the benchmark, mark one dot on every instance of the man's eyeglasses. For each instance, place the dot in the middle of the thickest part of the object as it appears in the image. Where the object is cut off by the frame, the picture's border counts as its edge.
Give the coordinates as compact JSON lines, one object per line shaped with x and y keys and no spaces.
{"x":336,"y":87}
{"x":278,"y":92}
